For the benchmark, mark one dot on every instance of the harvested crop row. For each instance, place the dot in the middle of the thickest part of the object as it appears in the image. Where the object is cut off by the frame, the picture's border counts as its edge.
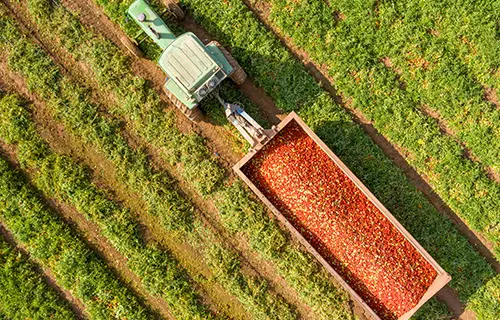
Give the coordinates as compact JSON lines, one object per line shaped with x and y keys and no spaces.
{"x":60,"y":177}
{"x":50,"y":241}
{"x":344,"y":226}
{"x":23,"y":291}
{"x":266,"y":237}
{"x":133,"y":169}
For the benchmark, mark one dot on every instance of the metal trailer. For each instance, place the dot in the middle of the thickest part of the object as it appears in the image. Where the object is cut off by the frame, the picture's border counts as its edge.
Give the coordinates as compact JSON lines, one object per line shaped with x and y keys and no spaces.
{"x":442,"y":277}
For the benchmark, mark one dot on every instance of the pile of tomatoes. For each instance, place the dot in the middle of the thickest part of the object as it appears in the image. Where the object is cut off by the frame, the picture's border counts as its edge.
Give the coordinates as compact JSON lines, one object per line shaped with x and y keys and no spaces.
{"x":340,"y":222}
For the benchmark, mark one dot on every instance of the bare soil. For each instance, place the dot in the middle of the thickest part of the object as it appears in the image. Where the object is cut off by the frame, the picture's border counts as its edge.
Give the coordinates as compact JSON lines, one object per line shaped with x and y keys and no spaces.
{"x":76,"y":305}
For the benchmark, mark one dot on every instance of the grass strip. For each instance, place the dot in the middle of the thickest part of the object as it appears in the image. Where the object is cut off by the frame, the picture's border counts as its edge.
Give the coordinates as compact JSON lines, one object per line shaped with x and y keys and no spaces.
{"x":24,"y":294}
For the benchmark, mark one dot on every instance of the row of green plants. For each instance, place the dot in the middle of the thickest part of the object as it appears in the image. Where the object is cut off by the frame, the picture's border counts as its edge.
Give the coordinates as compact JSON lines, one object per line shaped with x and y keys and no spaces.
{"x":24,"y":293}
{"x":57,"y":247}
{"x":273,"y":68}
{"x":152,"y":124}
{"x":61,"y":178}
{"x":133,"y":170}
{"x":393,"y":97}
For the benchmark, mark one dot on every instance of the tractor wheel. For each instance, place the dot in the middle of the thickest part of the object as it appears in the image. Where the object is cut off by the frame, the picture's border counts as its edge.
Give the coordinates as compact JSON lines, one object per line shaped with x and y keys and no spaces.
{"x":194,"y":114}
{"x":174,"y":8}
{"x":238,"y":75}
{"x":131,"y":47}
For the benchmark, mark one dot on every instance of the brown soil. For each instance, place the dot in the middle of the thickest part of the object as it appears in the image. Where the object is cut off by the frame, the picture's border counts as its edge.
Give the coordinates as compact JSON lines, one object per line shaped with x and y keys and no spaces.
{"x":490,"y":94}
{"x":76,"y":305}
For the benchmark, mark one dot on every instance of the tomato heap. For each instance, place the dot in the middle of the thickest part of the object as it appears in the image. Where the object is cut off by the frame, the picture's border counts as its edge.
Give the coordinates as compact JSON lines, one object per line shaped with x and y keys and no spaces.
{"x":340,"y":222}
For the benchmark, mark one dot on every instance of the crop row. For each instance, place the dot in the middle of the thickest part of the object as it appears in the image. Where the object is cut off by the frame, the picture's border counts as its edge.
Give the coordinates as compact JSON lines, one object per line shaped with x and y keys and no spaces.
{"x":394,"y":101}
{"x":273,"y":68}
{"x":23,"y":291}
{"x":155,"y":189}
{"x":57,"y":247}
{"x":265,"y":235}
{"x":61,"y":178}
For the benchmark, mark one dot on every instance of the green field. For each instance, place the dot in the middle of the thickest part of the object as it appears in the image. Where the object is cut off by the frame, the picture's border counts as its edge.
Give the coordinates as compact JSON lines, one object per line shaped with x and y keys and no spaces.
{"x":85,"y":132}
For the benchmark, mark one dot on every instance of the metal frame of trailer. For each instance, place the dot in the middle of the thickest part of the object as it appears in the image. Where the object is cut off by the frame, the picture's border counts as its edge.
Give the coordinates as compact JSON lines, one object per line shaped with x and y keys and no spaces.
{"x":442,"y":277}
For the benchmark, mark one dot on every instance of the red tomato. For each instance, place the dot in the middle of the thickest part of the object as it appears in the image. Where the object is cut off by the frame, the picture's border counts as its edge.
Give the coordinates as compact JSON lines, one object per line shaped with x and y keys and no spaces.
{"x":340,"y":222}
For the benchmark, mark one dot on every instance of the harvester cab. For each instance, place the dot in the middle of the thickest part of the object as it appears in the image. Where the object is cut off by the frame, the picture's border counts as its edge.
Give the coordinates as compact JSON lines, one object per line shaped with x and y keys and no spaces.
{"x":193,"y":70}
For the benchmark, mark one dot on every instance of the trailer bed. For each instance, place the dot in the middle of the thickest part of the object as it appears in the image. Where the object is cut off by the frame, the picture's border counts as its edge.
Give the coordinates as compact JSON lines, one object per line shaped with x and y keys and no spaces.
{"x":341,"y":223}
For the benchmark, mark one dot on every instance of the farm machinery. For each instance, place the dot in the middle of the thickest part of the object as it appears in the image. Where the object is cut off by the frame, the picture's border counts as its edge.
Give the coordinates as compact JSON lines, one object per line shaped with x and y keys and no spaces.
{"x":194,"y":70}
{"x":282,"y":157}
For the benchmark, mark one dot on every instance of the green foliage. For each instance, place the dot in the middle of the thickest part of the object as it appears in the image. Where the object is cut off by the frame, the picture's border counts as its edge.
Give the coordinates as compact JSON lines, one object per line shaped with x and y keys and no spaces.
{"x":61,"y":178}
{"x":49,"y":240}
{"x":84,"y":120}
{"x":428,"y":69}
{"x":486,"y":302}
{"x":24,"y":294}
{"x":312,"y":284}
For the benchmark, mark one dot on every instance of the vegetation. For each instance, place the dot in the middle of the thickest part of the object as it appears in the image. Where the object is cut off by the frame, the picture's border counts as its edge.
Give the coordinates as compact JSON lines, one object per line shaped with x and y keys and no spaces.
{"x":62,"y":178}
{"x":24,"y":294}
{"x":425,"y":69}
{"x":133,"y":170}
{"x":50,"y":241}
{"x":261,"y":53}
{"x":298,"y":268}
{"x":390,"y":99}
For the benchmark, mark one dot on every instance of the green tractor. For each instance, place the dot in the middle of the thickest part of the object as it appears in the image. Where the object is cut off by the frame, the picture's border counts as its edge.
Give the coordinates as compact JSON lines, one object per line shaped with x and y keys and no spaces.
{"x":193,"y":70}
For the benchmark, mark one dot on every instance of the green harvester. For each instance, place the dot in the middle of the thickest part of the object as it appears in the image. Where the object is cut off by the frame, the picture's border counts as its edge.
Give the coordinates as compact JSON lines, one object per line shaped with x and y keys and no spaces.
{"x":193,"y":70}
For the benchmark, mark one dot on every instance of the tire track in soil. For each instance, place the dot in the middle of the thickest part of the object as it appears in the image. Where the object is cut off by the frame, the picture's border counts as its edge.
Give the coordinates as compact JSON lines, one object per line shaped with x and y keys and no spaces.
{"x":250,"y":259}
{"x":75,"y":305}
{"x":103,"y":175}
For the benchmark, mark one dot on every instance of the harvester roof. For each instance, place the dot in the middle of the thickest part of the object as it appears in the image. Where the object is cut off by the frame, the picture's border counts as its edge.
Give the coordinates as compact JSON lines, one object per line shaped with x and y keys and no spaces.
{"x":187,"y":61}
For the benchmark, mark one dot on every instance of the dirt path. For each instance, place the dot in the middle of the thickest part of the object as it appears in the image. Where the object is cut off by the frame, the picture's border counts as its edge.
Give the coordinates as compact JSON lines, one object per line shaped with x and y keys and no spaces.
{"x":76,"y":305}
{"x":253,"y":264}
